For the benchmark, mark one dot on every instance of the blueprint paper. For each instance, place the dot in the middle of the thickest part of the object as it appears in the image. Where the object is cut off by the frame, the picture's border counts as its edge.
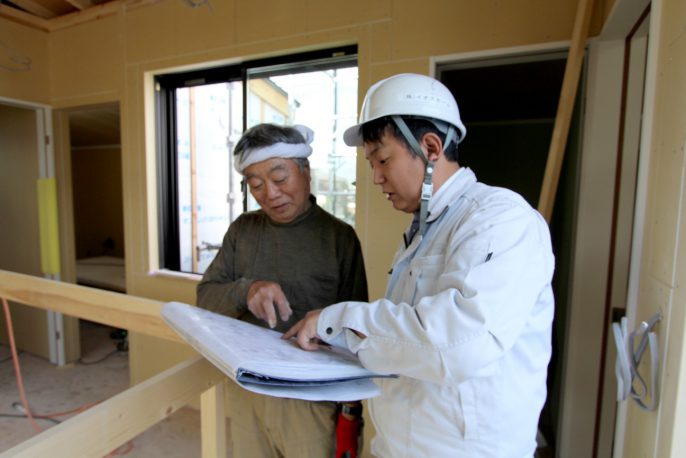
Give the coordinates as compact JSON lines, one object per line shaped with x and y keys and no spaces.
{"x":259,"y":360}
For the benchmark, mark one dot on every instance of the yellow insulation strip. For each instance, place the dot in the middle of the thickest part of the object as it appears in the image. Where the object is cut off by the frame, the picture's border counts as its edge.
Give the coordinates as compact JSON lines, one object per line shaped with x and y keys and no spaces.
{"x":49,"y":229}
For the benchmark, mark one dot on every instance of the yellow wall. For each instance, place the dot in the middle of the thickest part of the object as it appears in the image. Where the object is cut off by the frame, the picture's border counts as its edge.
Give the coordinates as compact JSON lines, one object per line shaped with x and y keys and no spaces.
{"x":19,"y":169}
{"x":663,"y":264}
{"x":18,"y":42}
{"x":111,"y":59}
{"x":268,"y":94}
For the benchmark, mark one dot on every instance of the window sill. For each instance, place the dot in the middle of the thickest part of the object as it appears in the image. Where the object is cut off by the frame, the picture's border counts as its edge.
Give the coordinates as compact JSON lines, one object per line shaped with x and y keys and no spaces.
{"x":171,"y":274}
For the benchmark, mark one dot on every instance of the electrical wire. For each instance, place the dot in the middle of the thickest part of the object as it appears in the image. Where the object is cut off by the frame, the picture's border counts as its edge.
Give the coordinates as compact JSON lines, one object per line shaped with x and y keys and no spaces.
{"x":17,"y":369}
{"x":97,"y":361}
{"x":23,"y":407}
{"x":20,"y":408}
{"x":19,"y":63}
{"x":123,"y":450}
{"x":37,"y":417}
{"x":199,"y":3}
{"x":9,"y":358}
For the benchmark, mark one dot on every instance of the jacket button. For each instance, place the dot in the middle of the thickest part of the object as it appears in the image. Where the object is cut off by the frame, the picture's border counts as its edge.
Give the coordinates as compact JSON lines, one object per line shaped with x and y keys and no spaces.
{"x":329,"y":330}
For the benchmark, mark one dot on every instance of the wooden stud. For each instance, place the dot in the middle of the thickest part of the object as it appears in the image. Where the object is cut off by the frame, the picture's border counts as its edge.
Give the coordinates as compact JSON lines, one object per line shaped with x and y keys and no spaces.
{"x":118,"y":310}
{"x":21,"y":17}
{"x":213,"y":422}
{"x":112,"y":423}
{"x":35,"y":8}
{"x":96,"y":12}
{"x":565,"y":109}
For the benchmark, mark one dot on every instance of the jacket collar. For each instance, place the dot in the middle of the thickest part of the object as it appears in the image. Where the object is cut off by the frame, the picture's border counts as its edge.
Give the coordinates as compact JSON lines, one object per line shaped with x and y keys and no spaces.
{"x":450,"y":191}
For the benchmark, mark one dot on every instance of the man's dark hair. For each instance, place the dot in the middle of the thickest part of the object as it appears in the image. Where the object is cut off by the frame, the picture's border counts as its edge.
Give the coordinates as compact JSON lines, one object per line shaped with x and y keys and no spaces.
{"x":373,"y":131}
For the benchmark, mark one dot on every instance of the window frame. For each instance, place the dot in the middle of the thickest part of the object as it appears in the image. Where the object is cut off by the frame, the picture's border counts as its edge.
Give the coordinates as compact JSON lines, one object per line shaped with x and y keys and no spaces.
{"x":166,"y":132}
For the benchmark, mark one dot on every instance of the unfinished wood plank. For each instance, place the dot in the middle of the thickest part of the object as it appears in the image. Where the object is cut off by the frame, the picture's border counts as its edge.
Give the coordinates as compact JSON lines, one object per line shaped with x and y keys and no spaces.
{"x":111,"y":424}
{"x":213,"y":422}
{"x":21,"y":17}
{"x":35,"y":8}
{"x":124,"y":311}
{"x":81,"y":4}
{"x":96,"y":12}
{"x":565,"y":109}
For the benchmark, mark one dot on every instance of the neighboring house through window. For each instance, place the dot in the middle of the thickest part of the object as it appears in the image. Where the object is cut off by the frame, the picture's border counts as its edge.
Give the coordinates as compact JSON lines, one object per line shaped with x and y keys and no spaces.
{"x":201,"y":115}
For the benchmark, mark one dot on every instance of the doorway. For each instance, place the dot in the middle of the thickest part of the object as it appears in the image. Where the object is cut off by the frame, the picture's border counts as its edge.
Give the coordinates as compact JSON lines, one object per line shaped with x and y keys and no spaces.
{"x":509,"y":104}
{"x":97,"y":199}
{"x":19,"y":245}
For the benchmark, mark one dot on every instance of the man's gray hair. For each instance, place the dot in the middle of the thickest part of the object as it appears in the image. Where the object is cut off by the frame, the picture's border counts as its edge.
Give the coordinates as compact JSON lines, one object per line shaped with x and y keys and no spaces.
{"x":265,"y":141}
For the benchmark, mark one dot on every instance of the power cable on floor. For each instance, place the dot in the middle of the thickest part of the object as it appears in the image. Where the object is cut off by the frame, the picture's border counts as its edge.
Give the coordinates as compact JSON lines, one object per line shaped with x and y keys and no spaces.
{"x":24,"y":405}
{"x":17,"y":369}
{"x":9,"y":358}
{"x":20,"y":408}
{"x":23,"y":417}
{"x":97,"y":361}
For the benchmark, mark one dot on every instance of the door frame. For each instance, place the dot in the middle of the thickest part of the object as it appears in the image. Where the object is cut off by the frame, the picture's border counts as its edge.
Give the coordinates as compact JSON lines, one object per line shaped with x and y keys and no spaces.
{"x":46,"y":164}
{"x":583,"y":346}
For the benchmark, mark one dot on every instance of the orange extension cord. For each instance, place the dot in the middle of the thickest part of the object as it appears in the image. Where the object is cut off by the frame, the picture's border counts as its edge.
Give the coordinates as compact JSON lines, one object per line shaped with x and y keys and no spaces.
{"x":17,"y":369}
{"x":123,"y":450}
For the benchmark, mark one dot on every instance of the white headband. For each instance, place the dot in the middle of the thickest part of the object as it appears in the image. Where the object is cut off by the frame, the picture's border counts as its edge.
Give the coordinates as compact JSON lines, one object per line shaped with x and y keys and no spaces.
{"x":283,"y":150}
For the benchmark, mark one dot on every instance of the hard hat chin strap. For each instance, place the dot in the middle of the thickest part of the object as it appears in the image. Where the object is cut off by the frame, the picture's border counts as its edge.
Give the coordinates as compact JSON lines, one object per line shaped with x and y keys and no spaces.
{"x":427,"y":184}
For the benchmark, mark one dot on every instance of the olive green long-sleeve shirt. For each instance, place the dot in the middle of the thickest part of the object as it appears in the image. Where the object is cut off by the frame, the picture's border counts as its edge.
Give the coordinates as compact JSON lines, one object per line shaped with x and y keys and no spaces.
{"x":316,"y":259}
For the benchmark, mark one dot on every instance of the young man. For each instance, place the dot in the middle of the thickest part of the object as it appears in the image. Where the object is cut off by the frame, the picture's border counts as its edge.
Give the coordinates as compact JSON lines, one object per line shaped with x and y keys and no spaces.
{"x":466,"y":321}
{"x":275,"y":265}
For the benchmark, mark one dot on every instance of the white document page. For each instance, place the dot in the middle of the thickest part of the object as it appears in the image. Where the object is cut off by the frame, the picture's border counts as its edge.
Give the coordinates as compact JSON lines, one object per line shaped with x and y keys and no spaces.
{"x":282,"y":369}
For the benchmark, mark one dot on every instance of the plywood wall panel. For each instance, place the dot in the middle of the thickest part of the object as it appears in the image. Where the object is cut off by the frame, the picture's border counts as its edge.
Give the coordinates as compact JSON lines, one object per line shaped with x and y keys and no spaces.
{"x":326,"y":14}
{"x":447,"y":26}
{"x":87,"y":61}
{"x":269,"y":19}
{"x":380,"y":43}
{"x":178,"y":30}
{"x":663,"y":266}
{"x":27,"y":79}
{"x":19,"y":244}
{"x":110,"y":58}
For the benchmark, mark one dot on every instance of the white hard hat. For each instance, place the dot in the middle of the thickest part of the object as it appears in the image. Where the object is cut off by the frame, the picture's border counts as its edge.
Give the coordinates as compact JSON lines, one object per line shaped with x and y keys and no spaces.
{"x":411,"y":95}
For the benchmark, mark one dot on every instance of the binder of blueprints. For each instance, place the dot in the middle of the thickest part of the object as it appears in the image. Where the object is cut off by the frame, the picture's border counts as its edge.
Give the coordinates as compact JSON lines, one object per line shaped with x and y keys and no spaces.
{"x":259,"y":360}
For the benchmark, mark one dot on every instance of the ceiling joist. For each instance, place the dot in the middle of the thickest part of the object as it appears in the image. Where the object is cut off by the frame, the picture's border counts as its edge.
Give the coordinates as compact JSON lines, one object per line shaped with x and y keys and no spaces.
{"x":24,"y":18}
{"x":80,"y":4}
{"x":42,"y":18}
{"x":35,"y":8}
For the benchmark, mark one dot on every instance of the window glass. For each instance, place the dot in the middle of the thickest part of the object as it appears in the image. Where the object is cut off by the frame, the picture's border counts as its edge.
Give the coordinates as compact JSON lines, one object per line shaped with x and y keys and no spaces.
{"x":326,"y":102}
{"x":209,"y":122}
{"x":202,"y":116}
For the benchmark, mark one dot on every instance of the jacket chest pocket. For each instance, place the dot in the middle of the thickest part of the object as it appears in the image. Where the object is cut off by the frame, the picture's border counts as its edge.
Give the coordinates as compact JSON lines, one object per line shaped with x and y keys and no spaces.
{"x":423,"y":276}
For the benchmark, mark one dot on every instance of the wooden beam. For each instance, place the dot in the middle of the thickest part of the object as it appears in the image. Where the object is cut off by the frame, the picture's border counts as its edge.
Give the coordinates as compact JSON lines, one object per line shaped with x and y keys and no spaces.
{"x":213,"y":422}
{"x":96,"y":12}
{"x":21,"y":17}
{"x":195,"y":243}
{"x":565,"y":108}
{"x":112,"y":423}
{"x":124,"y":311}
{"x":80,"y":4}
{"x":90,"y":12}
{"x":35,"y":8}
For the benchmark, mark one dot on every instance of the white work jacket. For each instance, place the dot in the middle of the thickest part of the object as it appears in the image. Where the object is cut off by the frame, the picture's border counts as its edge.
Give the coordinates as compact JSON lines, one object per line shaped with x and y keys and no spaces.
{"x":466,"y":325}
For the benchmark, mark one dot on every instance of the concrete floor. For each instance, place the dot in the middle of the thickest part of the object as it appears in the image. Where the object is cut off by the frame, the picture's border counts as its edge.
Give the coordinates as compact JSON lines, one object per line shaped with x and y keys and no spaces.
{"x":101,"y":373}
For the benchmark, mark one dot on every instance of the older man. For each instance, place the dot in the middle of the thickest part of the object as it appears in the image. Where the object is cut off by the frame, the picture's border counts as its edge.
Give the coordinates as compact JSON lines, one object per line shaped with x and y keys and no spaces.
{"x":275,"y":265}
